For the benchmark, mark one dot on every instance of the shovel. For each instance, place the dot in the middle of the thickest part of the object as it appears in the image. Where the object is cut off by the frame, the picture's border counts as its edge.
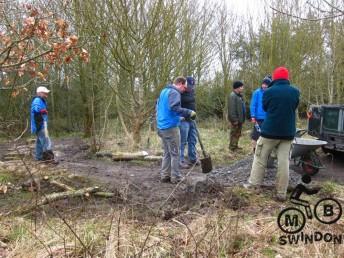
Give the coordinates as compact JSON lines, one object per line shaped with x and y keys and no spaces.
{"x":206,"y":164}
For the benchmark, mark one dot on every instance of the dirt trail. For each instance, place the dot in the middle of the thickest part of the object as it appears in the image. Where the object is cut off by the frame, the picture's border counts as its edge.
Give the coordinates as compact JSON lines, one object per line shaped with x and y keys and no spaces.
{"x":140,"y":181}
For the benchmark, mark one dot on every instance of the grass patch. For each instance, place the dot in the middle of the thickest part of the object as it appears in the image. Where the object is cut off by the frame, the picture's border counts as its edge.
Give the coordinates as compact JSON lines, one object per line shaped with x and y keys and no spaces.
{"x":6,"y":177}
{"x":329,"y":188}
{"x":268,"y":252}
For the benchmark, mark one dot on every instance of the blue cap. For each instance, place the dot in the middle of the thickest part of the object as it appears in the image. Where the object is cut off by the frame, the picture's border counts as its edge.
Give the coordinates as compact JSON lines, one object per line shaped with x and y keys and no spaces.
{"x":267,"y":80}
{"x":191,"y":81}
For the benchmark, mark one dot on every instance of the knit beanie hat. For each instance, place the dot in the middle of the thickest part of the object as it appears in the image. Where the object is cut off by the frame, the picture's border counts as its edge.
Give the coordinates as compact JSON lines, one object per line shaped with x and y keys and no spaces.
{"x":266,"y":80}
{"x":280,"y":73}
{"x":191,"y":81}
{"x":237,"y":84}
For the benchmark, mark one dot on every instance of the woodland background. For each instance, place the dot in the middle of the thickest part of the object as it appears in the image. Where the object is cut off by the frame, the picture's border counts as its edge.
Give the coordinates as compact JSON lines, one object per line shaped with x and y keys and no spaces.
{"x":136,"y":46}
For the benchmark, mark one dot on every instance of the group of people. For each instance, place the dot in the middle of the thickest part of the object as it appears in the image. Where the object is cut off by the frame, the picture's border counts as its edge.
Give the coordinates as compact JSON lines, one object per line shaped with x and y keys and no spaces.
{"x":273,"y":113}
{"x":273,"y":107}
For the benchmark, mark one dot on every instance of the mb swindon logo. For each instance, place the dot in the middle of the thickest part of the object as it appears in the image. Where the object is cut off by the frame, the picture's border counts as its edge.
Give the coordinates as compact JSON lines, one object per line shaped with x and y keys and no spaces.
{"x":292,"y":220}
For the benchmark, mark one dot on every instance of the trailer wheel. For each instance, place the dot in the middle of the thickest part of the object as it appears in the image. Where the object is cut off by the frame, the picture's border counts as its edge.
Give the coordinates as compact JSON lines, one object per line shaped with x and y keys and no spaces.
{"x":309,"y":169}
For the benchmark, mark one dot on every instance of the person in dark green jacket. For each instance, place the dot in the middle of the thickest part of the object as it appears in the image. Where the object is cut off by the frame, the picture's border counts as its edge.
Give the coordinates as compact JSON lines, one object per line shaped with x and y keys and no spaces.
{"x":236,"y":114}
{"x":280,"y":102}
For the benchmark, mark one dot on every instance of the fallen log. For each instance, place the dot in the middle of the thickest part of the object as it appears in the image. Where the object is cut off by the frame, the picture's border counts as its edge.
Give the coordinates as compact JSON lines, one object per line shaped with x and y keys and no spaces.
{"x":3,"y":245}
{"x":61,"y":185}
{"x":69,"y":188}
{"x":152,"y":158}
{"x":103,"y":154}
{"x":104,"y":194}
{"x":127,"y":156}
{"x":56,"y":197}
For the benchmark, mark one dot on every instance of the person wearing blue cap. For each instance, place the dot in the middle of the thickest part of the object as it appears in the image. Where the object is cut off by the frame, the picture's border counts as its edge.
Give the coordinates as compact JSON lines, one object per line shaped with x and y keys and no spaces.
{"x":188,"y":132}
{"x":257,"y":112}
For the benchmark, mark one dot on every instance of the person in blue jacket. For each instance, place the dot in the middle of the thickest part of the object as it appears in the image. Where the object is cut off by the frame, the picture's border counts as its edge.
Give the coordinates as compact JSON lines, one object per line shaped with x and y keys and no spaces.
{"x":257,"y":111}
{"x":39,"y":123}
{"x":168,"y":116}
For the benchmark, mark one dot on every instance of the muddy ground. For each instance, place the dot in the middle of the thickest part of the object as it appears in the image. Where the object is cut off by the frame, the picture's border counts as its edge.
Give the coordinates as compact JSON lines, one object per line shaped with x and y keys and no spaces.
{"x":138,"y":182}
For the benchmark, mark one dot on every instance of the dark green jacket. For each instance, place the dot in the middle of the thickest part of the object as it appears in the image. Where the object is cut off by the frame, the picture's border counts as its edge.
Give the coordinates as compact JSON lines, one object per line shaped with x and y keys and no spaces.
{"x":236,"y":108}
{"x":280,"y":101}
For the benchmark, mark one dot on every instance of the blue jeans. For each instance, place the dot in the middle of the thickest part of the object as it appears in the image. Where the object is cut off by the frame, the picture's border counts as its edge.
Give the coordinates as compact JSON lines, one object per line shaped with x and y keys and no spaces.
{"x":188,"y":135}
{"x":42,"y":144}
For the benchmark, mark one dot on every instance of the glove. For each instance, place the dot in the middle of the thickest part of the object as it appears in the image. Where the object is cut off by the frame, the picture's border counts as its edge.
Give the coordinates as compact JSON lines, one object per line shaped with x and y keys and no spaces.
{"x":193,"y":115}
{"x":44,"y":112}
{"x":253,"y":120}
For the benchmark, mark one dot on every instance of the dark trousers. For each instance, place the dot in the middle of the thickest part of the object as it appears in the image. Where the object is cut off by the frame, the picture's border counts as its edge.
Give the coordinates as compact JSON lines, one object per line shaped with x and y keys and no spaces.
{"x":235,"y":134}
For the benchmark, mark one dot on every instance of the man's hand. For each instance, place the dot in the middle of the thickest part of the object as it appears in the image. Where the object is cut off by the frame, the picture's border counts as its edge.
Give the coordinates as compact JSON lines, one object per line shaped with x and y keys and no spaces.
{"x":253,"y":120}
{"x":193,"y":115}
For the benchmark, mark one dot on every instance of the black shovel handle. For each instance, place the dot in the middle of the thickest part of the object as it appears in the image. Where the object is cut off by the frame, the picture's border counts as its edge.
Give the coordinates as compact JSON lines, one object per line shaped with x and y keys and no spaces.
{"x":199,"y":140}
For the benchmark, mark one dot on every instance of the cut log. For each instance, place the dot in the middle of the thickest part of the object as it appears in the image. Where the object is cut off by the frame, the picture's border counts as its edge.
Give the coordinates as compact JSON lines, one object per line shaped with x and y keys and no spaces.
{"x":103,"y":154}
{"x":3,"y":189}
{"x":126,"y":156}
{"x":61,"y":185}
{"x":3,"y":245}
{"x":104,"y":194}
{"x":69,"y":188}
{"x":152,"y":158}
{"x":55,"y":197}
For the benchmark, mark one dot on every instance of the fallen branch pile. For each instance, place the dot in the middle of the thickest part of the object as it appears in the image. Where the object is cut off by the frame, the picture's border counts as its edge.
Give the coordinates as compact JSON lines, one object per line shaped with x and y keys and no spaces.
{"x":68,"y":192}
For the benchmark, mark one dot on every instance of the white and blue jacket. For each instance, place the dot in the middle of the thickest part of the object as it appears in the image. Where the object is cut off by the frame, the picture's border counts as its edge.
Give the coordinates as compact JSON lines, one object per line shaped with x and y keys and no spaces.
{"x":39,"y":114}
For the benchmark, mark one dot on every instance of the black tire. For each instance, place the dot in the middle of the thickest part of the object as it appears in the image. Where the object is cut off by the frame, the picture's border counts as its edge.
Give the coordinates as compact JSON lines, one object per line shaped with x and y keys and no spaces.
{"x":309,"y":169}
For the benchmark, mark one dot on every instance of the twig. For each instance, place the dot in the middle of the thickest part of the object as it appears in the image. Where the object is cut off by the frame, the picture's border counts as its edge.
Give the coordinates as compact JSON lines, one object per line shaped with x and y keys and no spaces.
{"x":306,"y":19}
{"x":190,"y":232}
{"x":21,"y":135}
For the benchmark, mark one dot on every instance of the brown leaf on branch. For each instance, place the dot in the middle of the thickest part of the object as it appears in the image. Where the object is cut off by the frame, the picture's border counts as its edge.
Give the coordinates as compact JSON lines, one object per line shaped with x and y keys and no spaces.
{"x":15,"y":93}
{"x":68,"y":59}
{"x":29,"y":21}
{"x":41,"y":76}
{"x":84,"y":55}
{"x":74,"y":40}
{"x":34,"y":12}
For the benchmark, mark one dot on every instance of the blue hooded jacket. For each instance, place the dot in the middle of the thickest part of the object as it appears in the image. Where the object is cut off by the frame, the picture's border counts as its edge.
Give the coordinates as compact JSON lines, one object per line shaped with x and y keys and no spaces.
{"x":256,"y":106}
{"x":39,"y":114}
{"x":169,"y":108}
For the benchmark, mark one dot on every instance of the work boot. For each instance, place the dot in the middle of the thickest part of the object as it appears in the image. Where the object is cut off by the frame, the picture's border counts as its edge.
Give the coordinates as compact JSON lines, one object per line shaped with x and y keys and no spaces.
{"x":196,"y":162}
{"x":176,"y":180}
{"x":184,"y":165}
{"x":281,"y":197}
{"x":165,"y":179}
{"x":250,"y":186}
